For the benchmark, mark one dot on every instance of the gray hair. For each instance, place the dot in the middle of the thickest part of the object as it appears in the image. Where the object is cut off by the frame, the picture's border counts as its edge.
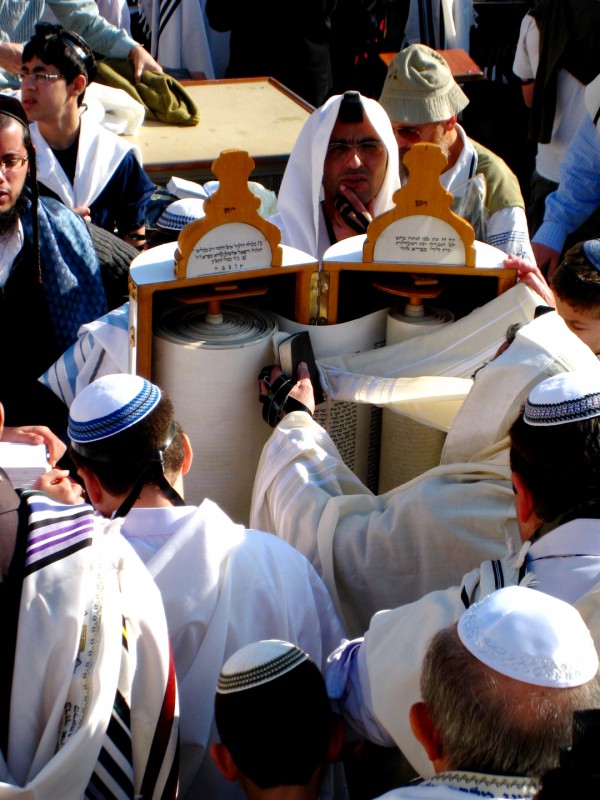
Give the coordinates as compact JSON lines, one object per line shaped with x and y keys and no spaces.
{"x":490,"y":723}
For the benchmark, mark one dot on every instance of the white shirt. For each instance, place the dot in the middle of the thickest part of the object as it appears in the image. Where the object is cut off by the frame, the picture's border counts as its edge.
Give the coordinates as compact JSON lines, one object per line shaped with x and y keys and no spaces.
{"x":222,"y":587}
{"x":10,"y":247}
{"x":570,"y":109}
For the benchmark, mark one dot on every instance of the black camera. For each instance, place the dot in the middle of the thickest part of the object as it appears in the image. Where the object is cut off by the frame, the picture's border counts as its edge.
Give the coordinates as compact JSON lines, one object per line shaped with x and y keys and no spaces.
{"x":579,"y":772}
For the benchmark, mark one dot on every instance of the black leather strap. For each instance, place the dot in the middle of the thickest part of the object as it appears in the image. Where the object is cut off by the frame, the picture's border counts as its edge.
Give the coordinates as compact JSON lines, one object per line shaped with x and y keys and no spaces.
{"x":277,"y":401}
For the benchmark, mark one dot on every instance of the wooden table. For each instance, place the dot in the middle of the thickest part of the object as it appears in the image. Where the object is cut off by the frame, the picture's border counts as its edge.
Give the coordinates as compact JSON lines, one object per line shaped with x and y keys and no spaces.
{"x":259,"y":115}
{"x":460,"y":62}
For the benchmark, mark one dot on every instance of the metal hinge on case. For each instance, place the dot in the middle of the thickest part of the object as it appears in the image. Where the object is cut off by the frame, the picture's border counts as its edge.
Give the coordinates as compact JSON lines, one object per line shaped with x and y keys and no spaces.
{"x":319,"y":298}
{"x":132,"y":289}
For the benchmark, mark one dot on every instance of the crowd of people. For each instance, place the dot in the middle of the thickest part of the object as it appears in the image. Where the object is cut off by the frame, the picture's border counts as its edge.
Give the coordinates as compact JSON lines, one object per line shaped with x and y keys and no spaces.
{"x":156,"y":649}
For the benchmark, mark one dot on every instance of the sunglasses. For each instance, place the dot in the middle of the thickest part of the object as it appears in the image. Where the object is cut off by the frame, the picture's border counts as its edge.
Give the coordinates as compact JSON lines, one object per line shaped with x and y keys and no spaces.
{"x":410,"y":135}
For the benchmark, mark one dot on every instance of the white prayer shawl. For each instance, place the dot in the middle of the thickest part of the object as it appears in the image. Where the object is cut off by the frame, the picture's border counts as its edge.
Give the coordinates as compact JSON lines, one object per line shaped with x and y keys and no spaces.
{"x":377,"y":552}
{"x":98,"y":155}
{"x":102,"y":348}
{"x":458,"y":17}
{"x":178,"y":34}
{"x":91,"y":623}
{"x":223,"y":587}
{"x":428,"y":377}
{"x":397,"y":640}
{"x":114,"y":109}
{"x":299,"y":200}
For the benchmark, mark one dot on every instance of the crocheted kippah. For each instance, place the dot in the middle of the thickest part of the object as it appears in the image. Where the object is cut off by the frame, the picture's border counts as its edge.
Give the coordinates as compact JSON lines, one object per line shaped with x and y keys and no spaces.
{"x":567,"y":397}
{"x":530,"y":637}
{"x":110,"y":405}
{"x":591,"y":250}
{"x":419,"y":87}
{"x":257,"y":664}
{"x":180,"y":213}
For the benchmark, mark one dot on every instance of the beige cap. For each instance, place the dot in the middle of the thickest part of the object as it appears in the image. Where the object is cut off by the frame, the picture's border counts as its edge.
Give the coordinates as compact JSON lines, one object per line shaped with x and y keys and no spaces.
{"x":419,"y":87}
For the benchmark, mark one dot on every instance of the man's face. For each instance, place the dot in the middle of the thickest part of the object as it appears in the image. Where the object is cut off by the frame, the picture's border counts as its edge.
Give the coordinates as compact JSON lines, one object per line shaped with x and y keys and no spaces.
{"x":356,"y":157}
{"x":12,"y":181}
{"x":583,"y":324}
{"x":408,"y":134}
{"x":43,"y":101}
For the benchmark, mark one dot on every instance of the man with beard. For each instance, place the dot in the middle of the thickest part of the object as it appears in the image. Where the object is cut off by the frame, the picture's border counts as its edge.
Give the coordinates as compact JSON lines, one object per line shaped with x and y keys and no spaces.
{"x":49,"y":277}
{"x":423,"y":101}
{"x":342,"y":172}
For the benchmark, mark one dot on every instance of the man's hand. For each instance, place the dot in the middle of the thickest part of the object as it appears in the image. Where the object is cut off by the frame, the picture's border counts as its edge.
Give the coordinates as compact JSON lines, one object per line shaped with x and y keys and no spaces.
{"x":351,"y":215}
{"x":547,"y":258}
{"x":37,"y":434}
{"x":59,"y":485}
{"x":83,"y":212}
{"x":11,"y":56}
{"x":531,"y":275}
{"x":142,"y":60}
{"x":302,"y":391}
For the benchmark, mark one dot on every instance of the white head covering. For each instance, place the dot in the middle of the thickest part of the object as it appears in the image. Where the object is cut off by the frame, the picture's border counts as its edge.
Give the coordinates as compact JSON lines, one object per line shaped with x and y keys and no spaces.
{"x":564,"y":398}
{"x":180,"y":213}
{"x":259,"y":663}
{"x":301,"y":189}
{"x":531,"y":637}
{"x":109,"y":406}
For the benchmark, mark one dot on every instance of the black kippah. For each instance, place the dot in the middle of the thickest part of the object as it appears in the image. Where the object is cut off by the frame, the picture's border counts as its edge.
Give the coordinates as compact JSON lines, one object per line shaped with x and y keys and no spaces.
{"x":351,"y":108}
{"x":11,"y":107}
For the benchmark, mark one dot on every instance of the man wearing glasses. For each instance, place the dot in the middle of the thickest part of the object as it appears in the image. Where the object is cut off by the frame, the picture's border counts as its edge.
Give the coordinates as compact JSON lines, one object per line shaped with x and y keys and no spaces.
{"x":90,"y":169}
{"x":50,"y":281}
{"x":423,"y":101}
{"x":342,"y":172}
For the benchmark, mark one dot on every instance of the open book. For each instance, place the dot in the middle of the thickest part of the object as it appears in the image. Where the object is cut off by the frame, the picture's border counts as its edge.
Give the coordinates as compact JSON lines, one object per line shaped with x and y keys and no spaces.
{"x":23,"y":463}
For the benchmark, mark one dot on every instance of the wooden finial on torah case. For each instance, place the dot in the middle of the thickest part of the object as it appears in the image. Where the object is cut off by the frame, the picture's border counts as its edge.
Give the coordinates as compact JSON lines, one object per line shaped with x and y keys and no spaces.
{"x":232,"y":237}
{"x":422,"y":229}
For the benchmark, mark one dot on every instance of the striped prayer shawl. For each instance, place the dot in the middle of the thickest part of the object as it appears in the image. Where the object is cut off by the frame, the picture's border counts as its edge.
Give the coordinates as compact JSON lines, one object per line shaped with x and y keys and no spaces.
{"x":102,"y":348}
{"x":94,"y":700}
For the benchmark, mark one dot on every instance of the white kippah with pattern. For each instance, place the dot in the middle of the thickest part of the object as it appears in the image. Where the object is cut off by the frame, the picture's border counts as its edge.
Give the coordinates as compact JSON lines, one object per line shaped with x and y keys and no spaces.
{"x":110,"y":405}
{"x":531,"y":637}
{"x":181,"y":213}
{"x":567,"y":397}
{"x":259,"y":663}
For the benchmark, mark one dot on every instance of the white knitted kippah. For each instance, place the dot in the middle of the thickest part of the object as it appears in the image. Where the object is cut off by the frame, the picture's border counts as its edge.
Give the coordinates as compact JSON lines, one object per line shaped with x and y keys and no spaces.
{"x":419,"y":87}
{"x":109,"y":405}
{"x":566,"y":397}
{"x":181,"y":213}
{"x":259,"y":663}
{"x":531,"y":637}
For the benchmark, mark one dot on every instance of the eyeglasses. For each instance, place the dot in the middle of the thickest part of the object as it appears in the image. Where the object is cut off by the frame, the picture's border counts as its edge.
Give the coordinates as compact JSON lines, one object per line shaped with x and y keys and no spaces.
{"x":8,"y":163}
{"x":367,"y":148}
{"x":37,"y":77}
{"x":411,"y":135}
